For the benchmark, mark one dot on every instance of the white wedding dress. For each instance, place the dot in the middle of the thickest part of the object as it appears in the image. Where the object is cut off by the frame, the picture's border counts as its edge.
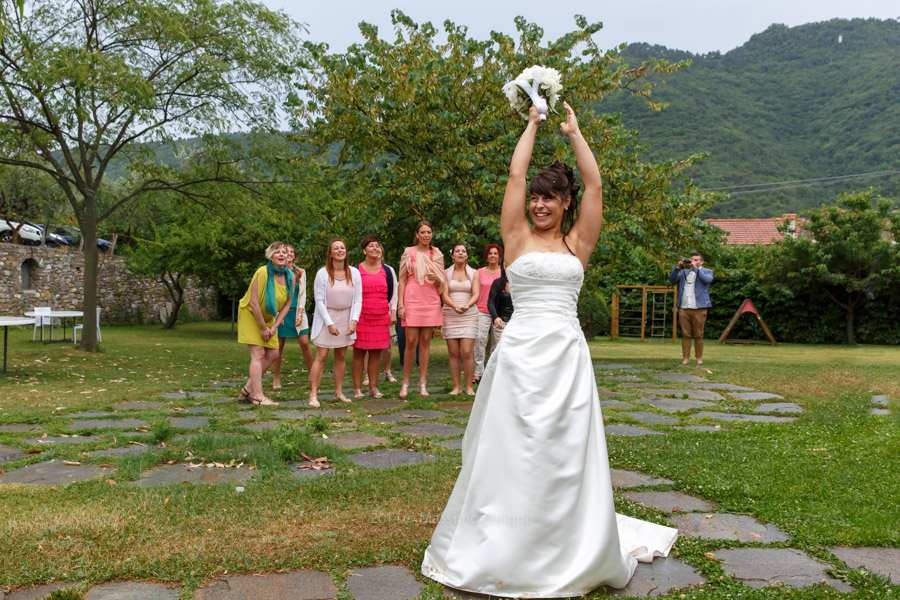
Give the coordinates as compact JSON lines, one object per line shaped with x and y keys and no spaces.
{"x":532,"y":515}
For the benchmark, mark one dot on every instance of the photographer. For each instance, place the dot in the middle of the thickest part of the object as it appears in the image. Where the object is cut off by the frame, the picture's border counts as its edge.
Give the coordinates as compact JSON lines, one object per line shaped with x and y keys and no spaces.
{"x":693,"y":281}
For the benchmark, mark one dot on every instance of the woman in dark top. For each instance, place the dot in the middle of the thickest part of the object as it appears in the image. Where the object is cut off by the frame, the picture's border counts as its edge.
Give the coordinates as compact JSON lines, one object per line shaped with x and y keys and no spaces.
{"x":500,"y":306}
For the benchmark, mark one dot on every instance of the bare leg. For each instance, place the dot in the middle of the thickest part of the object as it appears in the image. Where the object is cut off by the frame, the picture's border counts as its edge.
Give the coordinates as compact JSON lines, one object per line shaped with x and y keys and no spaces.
{"x":467,"y":353}
{"x":339,"y":368}
{"x":409,"y":355}
{"x":306,"y":350}
{"x":387,"y":355}
{"x":276,"y":368}
{"x":373,"y":367}
{"x":257,"y":357}
{"x":357,"y":364}
{"x":425,"y":334}
{"x":453,"y":351}
{"x":315,"y":373}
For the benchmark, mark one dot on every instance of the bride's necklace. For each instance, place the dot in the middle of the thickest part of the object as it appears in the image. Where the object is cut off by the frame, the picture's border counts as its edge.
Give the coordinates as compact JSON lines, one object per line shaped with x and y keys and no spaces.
{"x":534,"y":233}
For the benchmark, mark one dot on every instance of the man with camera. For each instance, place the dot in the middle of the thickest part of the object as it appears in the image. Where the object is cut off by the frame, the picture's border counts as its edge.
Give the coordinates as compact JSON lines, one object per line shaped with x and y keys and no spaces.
{"x":693,"y":281}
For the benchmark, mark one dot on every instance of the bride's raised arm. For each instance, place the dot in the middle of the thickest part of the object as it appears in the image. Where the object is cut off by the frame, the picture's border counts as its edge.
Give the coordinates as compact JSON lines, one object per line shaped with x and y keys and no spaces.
{"x":586,"y":230}
{"x":514,"y":228}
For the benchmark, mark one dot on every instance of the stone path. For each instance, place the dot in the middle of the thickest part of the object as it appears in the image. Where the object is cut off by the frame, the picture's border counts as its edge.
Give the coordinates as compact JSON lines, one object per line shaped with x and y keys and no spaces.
{"x":407,"y":416}
{"x":429,"y":430}
{"x":723,"y":526}
{"x":299,"y":585}
{"x":629,"y":479}
{"x":669,"y":501}
{"x":130,"y":590}
{"x":383,"y":459}
{"x":880,"y":405}
{"x":763,"y":567}
{"x":8,"y":454}
{"x":54,"y":472}
{"x":658,"y":578}
{"x":383,"y":583}
{"x":186,"y":474}
{"x":884,"y":561}
{"x":37,"y":592}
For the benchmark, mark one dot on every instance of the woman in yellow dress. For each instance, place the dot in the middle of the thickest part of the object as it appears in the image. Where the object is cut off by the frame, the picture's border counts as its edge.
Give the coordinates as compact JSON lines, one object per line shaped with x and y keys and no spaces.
{"x":262,"y":311}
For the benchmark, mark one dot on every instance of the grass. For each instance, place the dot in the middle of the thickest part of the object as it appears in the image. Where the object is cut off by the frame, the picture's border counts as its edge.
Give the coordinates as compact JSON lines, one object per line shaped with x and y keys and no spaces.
{"x":827,"y":480}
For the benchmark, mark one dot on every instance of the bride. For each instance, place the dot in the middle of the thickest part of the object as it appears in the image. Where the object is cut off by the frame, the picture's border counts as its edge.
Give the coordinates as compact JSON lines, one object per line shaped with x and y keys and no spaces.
{"x":531,"y":514}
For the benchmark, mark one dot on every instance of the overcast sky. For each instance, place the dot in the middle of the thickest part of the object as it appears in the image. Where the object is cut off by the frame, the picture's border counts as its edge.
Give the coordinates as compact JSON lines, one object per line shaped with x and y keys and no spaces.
{"x":696,"y":25}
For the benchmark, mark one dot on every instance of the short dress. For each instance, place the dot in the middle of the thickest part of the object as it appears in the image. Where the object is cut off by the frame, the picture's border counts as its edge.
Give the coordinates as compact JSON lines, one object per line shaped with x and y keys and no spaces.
{"x":373,"y":332}
{"x":288,"y":329}
{"x":248,"y":328}
{"x":460,"y":325}
{"x":421,"y":299}
{"x":486,"y":280}
{"x":340,"y":301}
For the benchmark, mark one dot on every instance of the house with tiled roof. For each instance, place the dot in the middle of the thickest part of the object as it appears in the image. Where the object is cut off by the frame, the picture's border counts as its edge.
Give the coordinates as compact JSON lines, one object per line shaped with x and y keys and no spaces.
{"x":757,"y":231}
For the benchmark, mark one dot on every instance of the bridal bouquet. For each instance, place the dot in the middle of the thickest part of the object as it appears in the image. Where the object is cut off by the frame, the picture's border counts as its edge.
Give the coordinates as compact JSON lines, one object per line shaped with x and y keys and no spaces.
{"x":529,"y":85}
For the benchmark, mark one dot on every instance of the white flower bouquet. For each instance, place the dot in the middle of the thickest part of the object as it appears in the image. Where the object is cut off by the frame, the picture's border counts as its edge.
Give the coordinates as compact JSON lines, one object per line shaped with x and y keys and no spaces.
{"x":529,"y":85}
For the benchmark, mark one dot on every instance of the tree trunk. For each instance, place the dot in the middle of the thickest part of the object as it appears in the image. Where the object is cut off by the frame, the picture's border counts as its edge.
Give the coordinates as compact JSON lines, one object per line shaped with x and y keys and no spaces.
{"x":851,"y":333}
{"x":175,"y":286}
{"x":88,"y":226}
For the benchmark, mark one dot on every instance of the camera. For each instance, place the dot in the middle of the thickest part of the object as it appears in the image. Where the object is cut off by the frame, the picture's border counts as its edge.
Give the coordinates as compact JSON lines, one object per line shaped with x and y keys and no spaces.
{"x":686,"y":263}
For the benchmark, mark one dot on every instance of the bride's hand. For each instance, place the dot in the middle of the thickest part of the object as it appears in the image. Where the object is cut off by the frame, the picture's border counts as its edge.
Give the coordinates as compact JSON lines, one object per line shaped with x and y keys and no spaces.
{"x":534,"y":116}
{"x":570,"y":127}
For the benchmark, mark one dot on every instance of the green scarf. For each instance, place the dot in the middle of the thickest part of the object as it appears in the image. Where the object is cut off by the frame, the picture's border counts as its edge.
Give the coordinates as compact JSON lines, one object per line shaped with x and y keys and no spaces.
{"x":271,"y":306}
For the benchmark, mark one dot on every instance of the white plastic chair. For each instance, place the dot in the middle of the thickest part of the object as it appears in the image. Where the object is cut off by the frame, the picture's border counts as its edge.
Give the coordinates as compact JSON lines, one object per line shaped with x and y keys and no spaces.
{"x":43,"y":319}
{"x":79,"y":326}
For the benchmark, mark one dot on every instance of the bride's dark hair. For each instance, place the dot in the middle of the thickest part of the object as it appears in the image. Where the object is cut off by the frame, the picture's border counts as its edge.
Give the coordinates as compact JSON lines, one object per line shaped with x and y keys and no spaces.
{"x":558,"y":181}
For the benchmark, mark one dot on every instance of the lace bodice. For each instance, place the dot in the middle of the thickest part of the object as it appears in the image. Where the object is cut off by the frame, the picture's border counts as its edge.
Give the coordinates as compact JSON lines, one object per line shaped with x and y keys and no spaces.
{"x":552,"y":266}
{"x":546,"y":283}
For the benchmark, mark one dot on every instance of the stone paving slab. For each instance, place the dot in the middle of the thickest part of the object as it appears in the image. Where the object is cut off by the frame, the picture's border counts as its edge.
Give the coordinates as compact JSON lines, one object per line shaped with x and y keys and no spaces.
{"x":298,"y":585}
{"x":451,"y":444}
{"x":325,"y":413}
{"x":354,"y":440}
{"x":107,"y":424}
{"x":293,"y":404}
{"x":691,"y":393}
{"x":383,"y":583}
{"x":755,"y":396}
{"x":628,"y":479}
{"x":218,"y":384}
{"x":779,"y":407}
{"x":53,"y":472}
{"x":674,"y":405}
{"x":429,"y":430}
{"x":54,"y":440}
{"x":189,"y":422}
{"x":19,"y":428}
{"x":383,"y":459}
{"x":720,"y":416}
{"x":728,"y":387}
{"x":679,"y":377}
{"x":670,"y":501}
{"x":879,"y":411}
{"x":37,"y":592}
{"x":659,"y":578}
{"x":615,"y":404}
{"x":10,"y":454}
{"x":179,"y":395}
{"x":881,"y":400}
{"x":461,"y":407}
{"x":371,"y":406}
{"x":193,"y":410}
{"x":703,"y":428}
{"x":629,"y":431}
{"x":763,"y":567}
{"x":623,"y":378}
{"x":90,"y":414}
{"x":123,"y":451}
{"x":407,"y":416}
{"x":184,"y":474}
{"x":605,"y":394}
{"x":262,"y":426}
{"x":651,"y":418}
{"x":884,"y":561}
{"x":610,"y":366}
{"x":724,"y":526}
{"x":139,"y":405}
{"x":131,"y":590}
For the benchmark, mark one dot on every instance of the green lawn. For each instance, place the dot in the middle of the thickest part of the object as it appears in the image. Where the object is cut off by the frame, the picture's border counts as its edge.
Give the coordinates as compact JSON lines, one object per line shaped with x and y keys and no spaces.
{"x":829,"y":479}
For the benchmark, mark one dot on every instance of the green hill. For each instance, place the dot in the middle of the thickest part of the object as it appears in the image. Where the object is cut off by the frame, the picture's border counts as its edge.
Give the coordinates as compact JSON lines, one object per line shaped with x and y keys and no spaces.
{"x":814,"y":101}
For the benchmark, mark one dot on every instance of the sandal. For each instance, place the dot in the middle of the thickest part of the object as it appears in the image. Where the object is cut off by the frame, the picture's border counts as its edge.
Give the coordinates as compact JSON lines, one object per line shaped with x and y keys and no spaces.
{"x":423,"y":390}
{"x":357,"y":394}
{"x":366,"y":381}
{"x":390,"y":378}
{"x":375,"y":393}
{"x":314,"y":402}
{"x":262,"y":402}
{"x":245,"y":394}
{"x":344,"y":398}
{"x":404,"y":391}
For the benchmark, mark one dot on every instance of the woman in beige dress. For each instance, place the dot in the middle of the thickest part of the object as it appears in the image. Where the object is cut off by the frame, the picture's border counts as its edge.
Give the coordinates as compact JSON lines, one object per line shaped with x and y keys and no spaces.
{"x":461,"y":317}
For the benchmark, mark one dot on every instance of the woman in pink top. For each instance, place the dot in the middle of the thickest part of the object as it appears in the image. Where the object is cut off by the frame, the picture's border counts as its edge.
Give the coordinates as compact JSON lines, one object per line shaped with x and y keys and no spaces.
{"x":493,"y":256}
{"x":373,"y":333}
{"x":421,"y":285}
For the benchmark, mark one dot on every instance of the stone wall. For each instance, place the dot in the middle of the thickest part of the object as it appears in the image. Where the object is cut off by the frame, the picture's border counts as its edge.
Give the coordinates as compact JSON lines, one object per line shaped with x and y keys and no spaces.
{"x":34,"y":276}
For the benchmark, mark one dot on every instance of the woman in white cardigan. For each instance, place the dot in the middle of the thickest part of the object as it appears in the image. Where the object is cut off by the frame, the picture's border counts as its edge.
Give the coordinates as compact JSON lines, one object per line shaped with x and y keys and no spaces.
{"x":338,"y":296}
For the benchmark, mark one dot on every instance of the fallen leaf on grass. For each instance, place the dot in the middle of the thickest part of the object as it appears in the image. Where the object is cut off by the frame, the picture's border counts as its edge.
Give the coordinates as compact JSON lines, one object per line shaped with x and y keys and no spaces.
{"x":709,"y":516}
{"x":710,"y":556}
{"x":405,"y":416}
{"x":138,"y":444}
{"x":756,"y":535}
{"x":35,"y":452}
{"x":72,"y":463}
{"x":111,"y":482}
{"x":170,"y":462}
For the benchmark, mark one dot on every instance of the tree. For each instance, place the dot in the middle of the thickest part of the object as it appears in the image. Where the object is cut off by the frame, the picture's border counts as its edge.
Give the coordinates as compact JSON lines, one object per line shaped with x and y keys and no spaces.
{"x":85,"y":83}
{"x":26,"y":196}
{"x":423,"y":131}
{"x":847,"y":256}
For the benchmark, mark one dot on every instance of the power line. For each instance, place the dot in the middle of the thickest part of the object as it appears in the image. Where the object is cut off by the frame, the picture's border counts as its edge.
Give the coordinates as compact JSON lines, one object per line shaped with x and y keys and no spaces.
{"x":753,"y":188}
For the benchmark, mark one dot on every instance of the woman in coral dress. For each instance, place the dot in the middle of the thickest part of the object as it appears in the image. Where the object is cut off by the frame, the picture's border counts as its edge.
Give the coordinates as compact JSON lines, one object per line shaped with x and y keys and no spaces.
{"x":461,"y":318}
{"x":421,"y":285}
{"x":373,"y":333}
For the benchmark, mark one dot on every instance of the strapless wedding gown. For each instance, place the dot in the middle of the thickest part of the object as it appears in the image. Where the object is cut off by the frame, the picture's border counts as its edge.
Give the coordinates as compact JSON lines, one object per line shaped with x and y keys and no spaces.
{"x":532,"y":515}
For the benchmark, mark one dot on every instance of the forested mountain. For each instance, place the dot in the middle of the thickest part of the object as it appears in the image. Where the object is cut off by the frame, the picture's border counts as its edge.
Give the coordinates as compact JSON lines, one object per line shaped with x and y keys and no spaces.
{"x":814,"y":101}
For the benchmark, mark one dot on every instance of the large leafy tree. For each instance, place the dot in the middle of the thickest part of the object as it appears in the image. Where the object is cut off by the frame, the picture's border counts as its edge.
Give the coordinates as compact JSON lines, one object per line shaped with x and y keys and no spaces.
{"x":85,"y":83}
{"x":421,"y":128}
{"x":845,"y":255}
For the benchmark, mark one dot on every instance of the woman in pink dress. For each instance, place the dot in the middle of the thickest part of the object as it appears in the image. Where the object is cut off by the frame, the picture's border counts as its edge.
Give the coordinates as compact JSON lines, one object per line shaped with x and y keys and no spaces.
{"x":338,"y":294}
{"x":373,"y":333}
{"x":421,"y":285}
{"x":461,"y":317}
{"x":493,"y":256}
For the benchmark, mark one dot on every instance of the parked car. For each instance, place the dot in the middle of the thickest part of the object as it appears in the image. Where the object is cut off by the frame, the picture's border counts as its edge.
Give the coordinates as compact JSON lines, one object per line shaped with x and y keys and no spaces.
{"x":73,"y":235}
{"x":53,"y":239}
{"x":28,"y":234}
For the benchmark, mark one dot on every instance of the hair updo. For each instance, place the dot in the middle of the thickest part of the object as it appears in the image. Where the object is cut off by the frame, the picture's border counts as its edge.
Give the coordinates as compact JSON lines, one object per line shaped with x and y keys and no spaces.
{"x":558,"y":181}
